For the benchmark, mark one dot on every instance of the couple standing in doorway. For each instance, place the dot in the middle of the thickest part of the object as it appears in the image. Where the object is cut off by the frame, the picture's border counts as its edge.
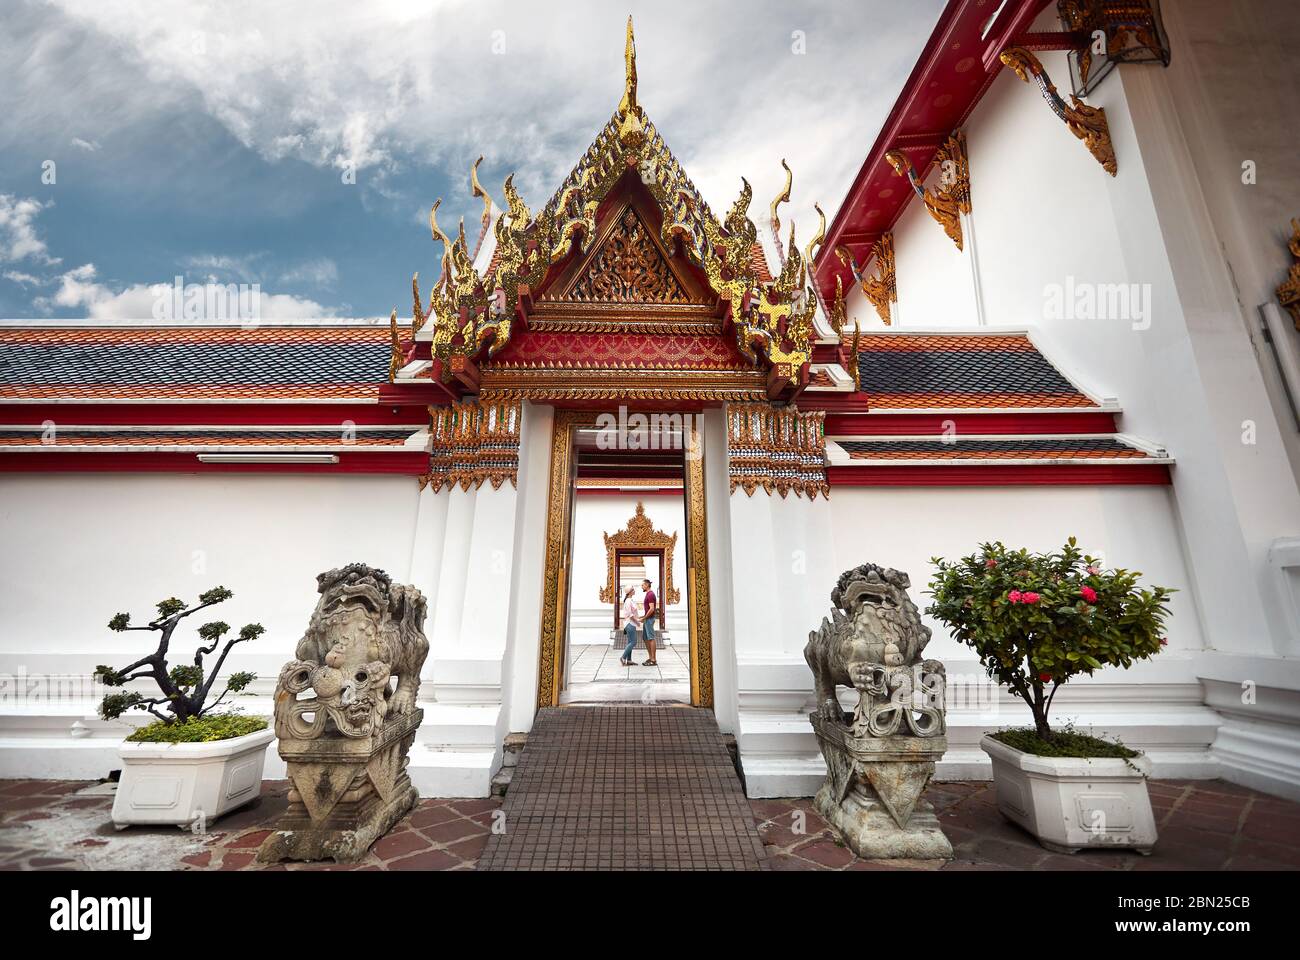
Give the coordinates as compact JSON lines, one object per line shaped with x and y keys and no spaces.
{"x":639,"y":618}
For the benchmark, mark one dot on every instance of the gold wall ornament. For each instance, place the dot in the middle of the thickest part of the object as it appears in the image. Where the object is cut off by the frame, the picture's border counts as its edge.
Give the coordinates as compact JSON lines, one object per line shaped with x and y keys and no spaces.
{"x":1085,"y":122}
{"x":940,"y":204}
{"x":553,"y":629}
{"x":1288,"y":291}
{"x":778,"y":449}
{"x":639,"y":534}
{"x":954,"y":170}
{"x":882,"y":289}
{"x":474,"y":441}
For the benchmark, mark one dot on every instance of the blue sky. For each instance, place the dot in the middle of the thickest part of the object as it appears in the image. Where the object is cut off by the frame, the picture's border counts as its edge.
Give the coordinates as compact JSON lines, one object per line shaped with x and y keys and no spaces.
{"x":212,"y":140}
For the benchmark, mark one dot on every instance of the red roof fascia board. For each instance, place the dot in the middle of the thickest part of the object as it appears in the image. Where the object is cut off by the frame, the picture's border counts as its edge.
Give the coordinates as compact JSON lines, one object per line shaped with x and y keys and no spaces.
{"x":953,"y":72}
{"x":966,"y":424}
{"x":1131,"y":474}
{"x":414,"y":464}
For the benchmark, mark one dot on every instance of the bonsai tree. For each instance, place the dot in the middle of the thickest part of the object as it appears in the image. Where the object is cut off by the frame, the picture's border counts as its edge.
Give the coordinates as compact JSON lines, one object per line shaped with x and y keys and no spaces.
{"x":185,"y":688}
{"x":1038,"y":619}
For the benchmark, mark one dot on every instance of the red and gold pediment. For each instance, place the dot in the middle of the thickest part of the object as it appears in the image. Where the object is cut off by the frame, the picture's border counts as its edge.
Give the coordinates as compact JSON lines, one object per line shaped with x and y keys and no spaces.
{"x":626,"y":246}
{"x":627,"y":269}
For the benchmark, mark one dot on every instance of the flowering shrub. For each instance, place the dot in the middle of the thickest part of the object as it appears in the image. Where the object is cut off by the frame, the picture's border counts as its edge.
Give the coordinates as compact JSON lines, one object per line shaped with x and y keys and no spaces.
{"x":1038,"y":619}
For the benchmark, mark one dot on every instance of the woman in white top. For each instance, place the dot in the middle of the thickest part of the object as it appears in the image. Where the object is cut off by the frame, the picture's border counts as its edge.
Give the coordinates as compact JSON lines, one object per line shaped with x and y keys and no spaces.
{"x":631,"y":624}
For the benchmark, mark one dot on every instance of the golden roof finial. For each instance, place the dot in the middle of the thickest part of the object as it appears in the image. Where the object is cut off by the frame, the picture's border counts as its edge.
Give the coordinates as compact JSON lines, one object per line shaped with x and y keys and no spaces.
{"x":631,"y":131}
{"x":628,"y":103}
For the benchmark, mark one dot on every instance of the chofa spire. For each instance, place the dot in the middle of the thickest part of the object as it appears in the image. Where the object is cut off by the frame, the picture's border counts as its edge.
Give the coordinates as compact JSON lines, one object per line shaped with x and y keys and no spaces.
{"x":631,"y":130}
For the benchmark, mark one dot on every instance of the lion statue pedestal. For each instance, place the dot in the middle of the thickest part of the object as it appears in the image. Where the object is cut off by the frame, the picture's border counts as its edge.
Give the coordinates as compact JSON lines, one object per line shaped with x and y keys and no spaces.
{"x":346,"y":748}
{"x":880,"y":757}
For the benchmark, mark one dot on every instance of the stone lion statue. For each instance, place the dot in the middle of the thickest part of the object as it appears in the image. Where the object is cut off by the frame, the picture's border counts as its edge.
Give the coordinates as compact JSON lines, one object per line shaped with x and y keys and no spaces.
{"x":873,"y":644}
{"x":364,"y":631}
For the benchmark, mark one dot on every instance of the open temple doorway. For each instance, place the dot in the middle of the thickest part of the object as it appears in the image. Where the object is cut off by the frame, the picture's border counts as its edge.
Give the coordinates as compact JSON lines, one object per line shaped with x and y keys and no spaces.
{"x":626,"y":506}
{"x":626,"y":534}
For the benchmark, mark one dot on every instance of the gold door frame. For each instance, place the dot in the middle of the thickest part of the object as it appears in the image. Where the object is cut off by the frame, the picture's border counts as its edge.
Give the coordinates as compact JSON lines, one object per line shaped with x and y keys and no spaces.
{"x":559,"y":535}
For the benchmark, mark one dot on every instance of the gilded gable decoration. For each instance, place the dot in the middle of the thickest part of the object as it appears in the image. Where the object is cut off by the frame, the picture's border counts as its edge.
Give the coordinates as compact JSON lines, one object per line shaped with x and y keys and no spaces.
{"x":639,"y":534}
{"x":628,"y":269}
{"x":473,"y":312}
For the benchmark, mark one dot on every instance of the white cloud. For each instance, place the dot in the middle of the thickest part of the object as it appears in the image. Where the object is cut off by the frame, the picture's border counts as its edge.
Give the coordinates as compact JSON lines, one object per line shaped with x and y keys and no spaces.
{"x":90,"y":146}
{"x":18,"y":237}
{"x":17,"y":276}
{"x":382,"y":85}
{"x":80,"y":289}
{"x":320,"y":272}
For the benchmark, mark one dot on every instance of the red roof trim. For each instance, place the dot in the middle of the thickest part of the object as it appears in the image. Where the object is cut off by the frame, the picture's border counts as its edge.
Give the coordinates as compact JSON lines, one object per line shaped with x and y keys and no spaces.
{"x":1139,"y":474}
{"x":952,"y":74}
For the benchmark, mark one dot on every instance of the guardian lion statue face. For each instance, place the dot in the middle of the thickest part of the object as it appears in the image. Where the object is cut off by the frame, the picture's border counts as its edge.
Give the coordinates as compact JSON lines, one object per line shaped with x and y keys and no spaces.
{"x":364,"y":631}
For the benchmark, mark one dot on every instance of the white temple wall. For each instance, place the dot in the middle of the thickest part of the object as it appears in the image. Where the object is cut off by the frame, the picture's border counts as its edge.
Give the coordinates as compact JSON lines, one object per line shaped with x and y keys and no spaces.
{"x":1201,"y":252}
{"x":1157,"y":706}
{"x":81,"y":547}
{"x":935,"y":287}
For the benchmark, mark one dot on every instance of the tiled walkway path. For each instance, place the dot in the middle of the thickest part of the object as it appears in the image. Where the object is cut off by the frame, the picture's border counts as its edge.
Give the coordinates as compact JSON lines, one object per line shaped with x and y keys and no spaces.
{"x":639,"y":788}
{"x":1203,"y":825}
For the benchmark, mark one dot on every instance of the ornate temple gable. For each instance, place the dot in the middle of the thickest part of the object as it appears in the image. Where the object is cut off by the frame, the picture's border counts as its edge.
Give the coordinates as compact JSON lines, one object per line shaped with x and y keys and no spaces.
{"x":627,"y":268}
{"x":473,"y":317}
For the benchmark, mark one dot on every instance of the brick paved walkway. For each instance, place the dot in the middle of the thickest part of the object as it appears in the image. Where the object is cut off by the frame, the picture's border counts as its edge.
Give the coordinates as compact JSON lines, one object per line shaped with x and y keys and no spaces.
{"x":1203,"y":825}
{"x":618,"y":787}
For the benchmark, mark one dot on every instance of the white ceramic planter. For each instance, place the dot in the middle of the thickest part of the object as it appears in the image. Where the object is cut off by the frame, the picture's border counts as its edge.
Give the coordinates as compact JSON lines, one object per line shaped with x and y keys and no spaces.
{"x":1071,"y":803}
{"x":176,"y":783}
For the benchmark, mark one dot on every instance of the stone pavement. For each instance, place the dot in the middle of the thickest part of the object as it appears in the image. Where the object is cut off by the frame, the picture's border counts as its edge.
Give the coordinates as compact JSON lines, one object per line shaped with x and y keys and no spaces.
{"x":1204,"y":825}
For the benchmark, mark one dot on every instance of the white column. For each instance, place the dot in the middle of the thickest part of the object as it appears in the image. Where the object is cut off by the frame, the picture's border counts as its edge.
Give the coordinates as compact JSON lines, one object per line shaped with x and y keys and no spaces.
{"x":523,"y":627}
{"x":453,"y":574}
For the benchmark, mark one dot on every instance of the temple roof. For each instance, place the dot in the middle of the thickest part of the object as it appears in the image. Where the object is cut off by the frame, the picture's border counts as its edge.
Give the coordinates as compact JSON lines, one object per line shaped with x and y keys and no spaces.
{"x":323,"y":362}
{"x":942,"y":370}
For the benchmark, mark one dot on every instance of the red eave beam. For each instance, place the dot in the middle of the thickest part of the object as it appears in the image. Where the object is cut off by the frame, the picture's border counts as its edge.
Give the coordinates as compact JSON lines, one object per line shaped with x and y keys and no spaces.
{"x":997,"y":476}
{"x":959,"y":16}
{"x":415,"y":463}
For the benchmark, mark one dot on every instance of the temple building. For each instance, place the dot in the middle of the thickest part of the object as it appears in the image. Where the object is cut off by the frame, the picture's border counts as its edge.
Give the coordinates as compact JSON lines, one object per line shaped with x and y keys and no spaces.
{"x":1033,"y":316}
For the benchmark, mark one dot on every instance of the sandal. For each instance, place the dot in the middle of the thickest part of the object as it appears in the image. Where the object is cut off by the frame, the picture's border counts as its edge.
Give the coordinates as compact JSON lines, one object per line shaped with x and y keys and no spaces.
{"x":650,"y":663}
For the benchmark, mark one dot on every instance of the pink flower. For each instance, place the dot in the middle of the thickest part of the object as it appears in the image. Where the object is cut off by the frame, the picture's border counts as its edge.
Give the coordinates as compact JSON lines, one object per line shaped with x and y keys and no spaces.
{"x":1029,"y":597}
{"x":990,"y":563}
{"x":1094,"y":570}
{"x":1164,"y":642}
{"x":1014,"y":596}
{"x":1088,"y":594}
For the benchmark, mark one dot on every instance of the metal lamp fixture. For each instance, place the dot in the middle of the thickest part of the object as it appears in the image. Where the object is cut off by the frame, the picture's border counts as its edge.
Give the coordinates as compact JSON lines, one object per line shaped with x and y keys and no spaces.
{"x":1111,"y":32}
